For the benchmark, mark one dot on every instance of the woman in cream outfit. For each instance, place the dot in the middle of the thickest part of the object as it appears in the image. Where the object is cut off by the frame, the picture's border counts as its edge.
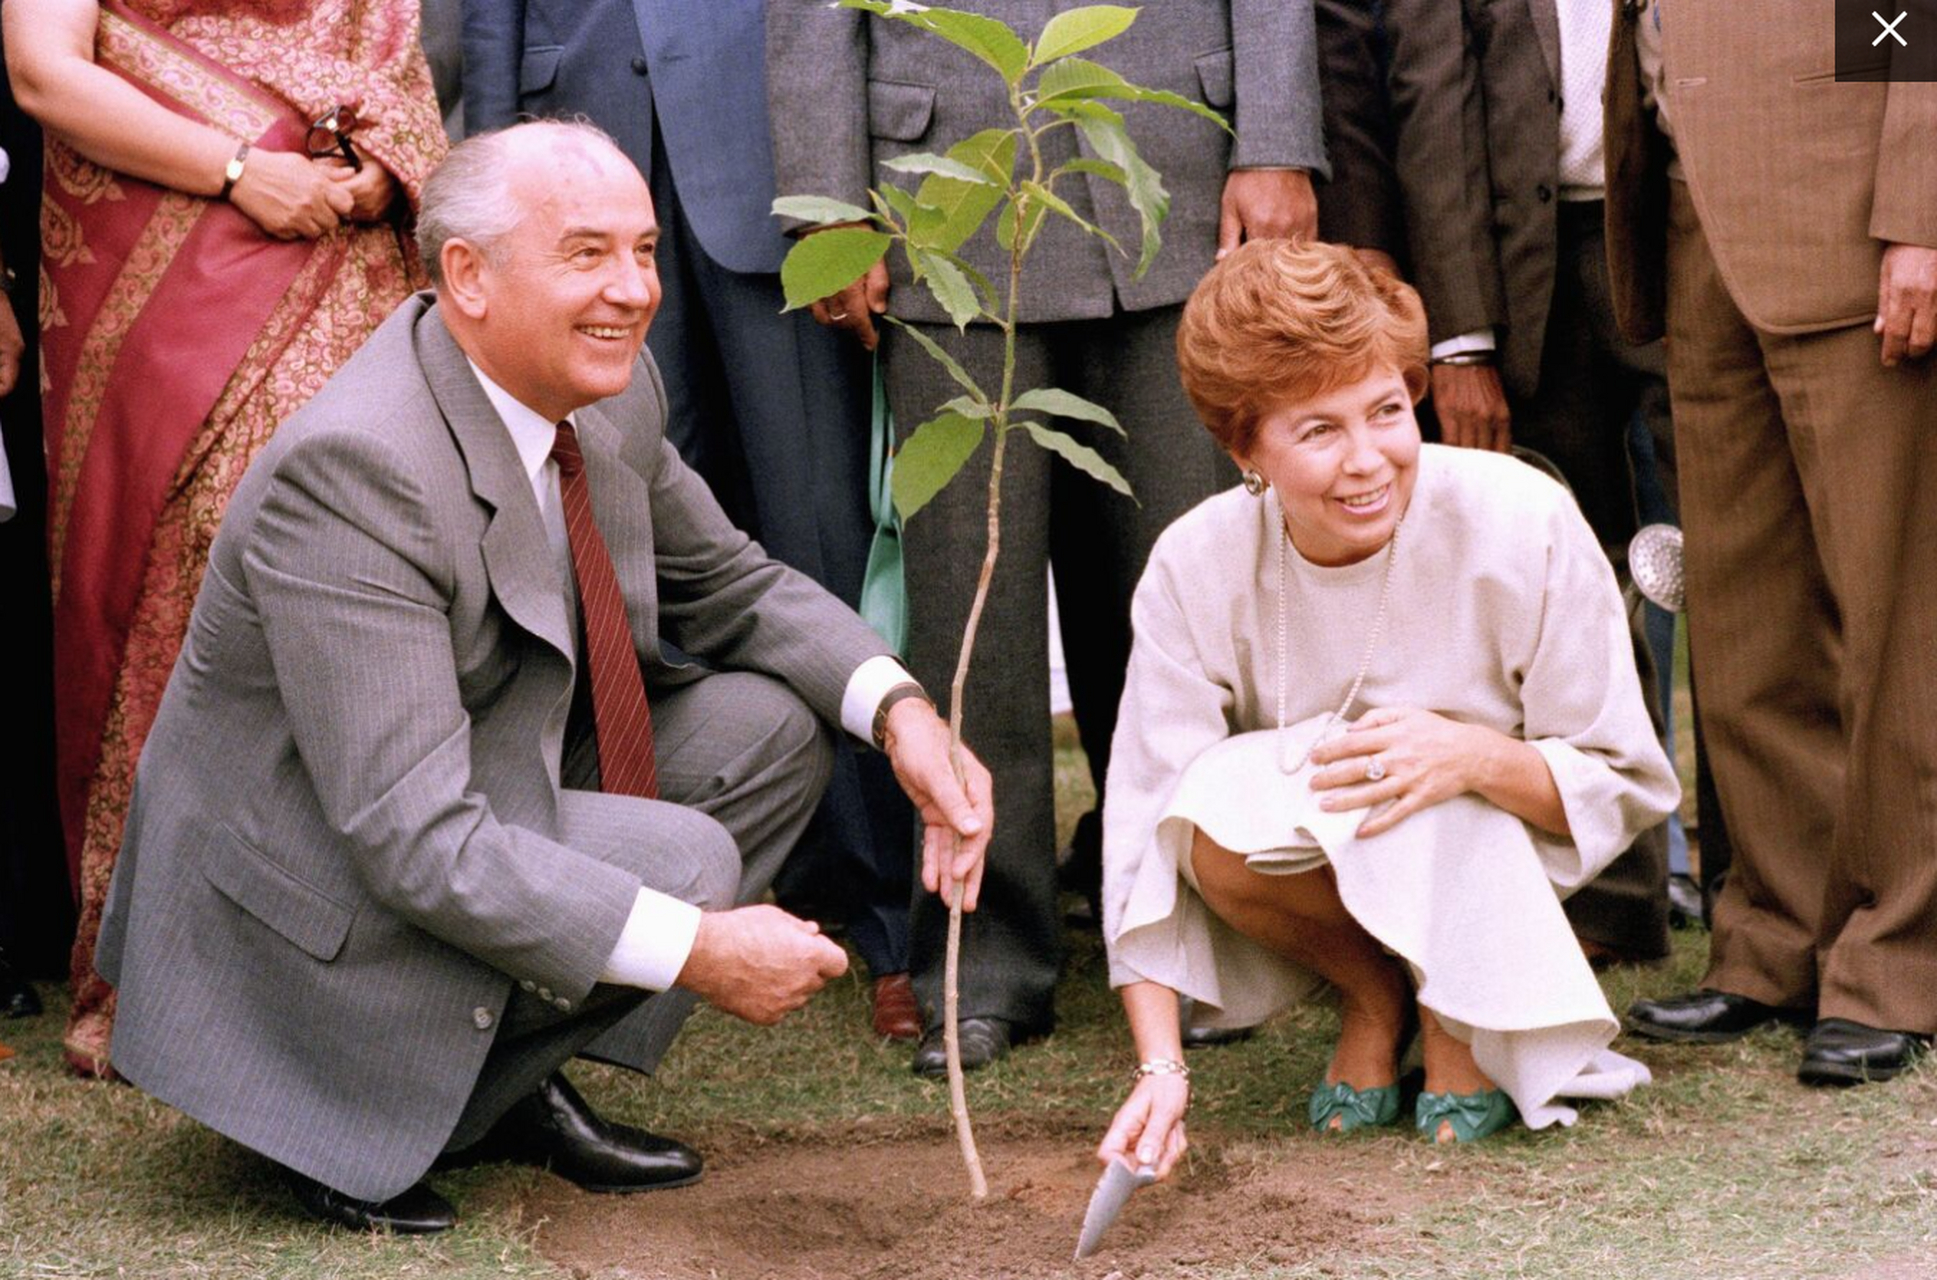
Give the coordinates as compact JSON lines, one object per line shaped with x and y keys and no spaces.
{"x":1381,"y":715}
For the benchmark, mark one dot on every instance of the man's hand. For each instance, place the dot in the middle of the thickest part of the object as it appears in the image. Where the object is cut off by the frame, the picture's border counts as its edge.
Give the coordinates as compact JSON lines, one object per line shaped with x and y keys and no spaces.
{"x":759,"y":963}
{"x":855,"y":307}
{"x":12,"y":347}
{"x":1266,"y":204}
{"x":1906,"y":302}
{"x":1472,"y":407}
{"x":917,"y":743}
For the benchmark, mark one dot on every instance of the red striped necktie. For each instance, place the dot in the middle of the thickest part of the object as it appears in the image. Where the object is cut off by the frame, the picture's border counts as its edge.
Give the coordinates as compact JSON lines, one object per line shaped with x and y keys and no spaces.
{"x":620,"y":716}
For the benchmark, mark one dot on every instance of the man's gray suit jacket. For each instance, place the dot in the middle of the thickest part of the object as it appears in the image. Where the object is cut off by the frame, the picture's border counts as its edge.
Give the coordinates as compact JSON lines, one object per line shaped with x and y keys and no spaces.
{"x":344,"y":847}
{"x":1476,"y":90}
{"x":847,"y":92}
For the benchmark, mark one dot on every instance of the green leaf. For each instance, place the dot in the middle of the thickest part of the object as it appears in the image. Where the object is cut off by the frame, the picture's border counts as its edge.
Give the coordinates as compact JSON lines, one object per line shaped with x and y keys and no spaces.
{"x":820,"y":210}
{"x":1057,"y":204}
{"x":1005,"y":226}
{"x":1079,"y":29}
{"x":827,"y":262}
{"x":1075,"y":79}
{"x":929,"y":459}
{"x":1082,"y":457}
{"x":919,"y":220}
{"x":1099,"y":168}
{"x":986,"y":38}
{"x":948,"y":362}
{"x":964,"y":205}
{"x":924,"y":162}
{"x":969,"y":407}
{"x":1104,"y":131}
{"x":950,"y":287}
{"x":1065,"y":405}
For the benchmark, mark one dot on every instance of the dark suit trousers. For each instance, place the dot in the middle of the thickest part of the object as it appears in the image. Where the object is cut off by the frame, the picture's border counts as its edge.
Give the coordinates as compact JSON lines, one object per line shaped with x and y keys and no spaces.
{"x":736,"y":749}
{"x":773,"y":411}
{"x":1592,"y":382}
{"x":1098,"y":542}
{"x":1809,"y":493}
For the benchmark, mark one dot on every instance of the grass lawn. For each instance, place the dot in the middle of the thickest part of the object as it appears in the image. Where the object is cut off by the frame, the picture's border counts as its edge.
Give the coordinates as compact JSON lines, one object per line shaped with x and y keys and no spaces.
{"x":1725,"y":1168}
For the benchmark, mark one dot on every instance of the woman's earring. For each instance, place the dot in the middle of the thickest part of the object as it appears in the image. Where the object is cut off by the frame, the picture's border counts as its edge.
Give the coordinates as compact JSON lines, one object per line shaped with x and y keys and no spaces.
{"x":1255,"y":484}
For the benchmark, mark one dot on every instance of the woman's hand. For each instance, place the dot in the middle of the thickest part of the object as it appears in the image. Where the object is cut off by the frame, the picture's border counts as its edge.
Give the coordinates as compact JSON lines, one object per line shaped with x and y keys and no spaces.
{"x":1149,"y":1127}
{"x":291,"y":197}
{"x":1425,"y":758}
{"x":372,"y":189}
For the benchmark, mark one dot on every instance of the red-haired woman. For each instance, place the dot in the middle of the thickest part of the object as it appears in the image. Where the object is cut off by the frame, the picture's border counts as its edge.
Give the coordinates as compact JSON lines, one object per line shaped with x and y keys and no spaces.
{"x":1381,"y":712}
{"x":227,"y":192}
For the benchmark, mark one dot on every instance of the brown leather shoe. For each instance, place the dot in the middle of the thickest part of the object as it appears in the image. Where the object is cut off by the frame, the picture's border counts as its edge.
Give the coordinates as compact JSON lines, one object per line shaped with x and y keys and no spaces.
{"x":895,"y":1015}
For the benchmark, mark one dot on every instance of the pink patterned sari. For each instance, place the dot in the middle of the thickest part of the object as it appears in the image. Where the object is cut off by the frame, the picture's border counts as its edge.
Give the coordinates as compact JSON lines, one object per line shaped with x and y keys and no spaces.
{"x":175,"y":336}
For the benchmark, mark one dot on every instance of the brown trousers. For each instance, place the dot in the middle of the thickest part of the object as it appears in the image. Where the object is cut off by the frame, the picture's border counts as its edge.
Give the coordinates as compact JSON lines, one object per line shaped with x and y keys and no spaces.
{"x":1809,"y":498}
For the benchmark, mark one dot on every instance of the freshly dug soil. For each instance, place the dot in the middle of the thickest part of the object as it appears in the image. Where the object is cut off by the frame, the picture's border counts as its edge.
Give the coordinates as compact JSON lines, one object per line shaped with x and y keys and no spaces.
{"x":880,"y":1206}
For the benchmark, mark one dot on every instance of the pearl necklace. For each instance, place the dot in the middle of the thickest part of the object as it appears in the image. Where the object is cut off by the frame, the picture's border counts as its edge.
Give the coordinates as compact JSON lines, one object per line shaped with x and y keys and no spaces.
{"x":1365,"y":663}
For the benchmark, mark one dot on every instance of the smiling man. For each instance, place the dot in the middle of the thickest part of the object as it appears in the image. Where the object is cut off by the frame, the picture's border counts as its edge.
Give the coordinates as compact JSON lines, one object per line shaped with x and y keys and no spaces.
{"x":427,"y":810}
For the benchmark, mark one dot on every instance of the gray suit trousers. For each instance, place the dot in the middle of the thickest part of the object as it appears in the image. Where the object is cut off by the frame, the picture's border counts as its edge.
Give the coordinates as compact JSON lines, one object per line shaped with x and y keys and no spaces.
{"x":1098,"y":542}
{"x":742,"y":762}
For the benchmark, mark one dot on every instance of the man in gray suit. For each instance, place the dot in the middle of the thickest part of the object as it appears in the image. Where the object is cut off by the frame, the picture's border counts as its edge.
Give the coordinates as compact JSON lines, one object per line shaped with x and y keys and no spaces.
{"x":848,"y":93}
{"x":770,"y":408}
{"x":1498,"y":106}
{"x":426,"y":810}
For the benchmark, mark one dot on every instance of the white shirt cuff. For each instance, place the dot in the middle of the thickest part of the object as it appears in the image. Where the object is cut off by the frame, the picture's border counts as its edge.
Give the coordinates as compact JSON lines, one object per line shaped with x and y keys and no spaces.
{"x":1478,"y":340}
{"x":865,"y":689}
{"x":655,"y":943}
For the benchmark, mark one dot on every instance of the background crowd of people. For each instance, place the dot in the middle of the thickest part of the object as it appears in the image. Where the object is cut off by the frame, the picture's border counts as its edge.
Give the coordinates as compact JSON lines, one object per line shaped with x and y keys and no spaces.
{"x":194,"y":253}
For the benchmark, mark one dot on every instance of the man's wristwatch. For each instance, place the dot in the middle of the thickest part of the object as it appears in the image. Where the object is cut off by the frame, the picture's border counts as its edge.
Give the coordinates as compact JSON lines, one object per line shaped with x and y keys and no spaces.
{"x":906,"y":689}
{"x":232,"y":172}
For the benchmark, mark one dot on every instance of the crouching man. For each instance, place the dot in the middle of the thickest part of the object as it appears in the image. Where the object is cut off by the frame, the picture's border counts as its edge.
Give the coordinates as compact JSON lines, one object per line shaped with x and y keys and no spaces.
{"x":427,"y":811}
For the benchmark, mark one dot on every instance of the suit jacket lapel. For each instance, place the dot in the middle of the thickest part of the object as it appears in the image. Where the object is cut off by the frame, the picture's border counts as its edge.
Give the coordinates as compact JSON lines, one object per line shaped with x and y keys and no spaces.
{"x":517,"y":555}
{"x":1546,"y":25}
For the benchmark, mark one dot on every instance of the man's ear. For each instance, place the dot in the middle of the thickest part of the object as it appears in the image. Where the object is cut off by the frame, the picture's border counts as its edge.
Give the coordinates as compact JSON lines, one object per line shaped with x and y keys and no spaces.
{"x":464,"y":268}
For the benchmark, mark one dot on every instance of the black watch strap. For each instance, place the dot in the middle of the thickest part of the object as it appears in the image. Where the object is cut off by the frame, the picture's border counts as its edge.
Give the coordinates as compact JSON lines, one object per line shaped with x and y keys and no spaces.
{"x":906,"y":689}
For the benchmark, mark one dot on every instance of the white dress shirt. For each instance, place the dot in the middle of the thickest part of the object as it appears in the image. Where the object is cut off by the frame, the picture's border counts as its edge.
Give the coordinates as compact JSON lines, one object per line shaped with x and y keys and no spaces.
{"x":658,"y":935}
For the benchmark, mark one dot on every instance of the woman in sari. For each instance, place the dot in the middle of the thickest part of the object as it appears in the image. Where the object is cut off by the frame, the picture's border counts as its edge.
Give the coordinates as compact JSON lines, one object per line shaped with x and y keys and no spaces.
{"x":227,"y":189}
{"x":1381,"y":714}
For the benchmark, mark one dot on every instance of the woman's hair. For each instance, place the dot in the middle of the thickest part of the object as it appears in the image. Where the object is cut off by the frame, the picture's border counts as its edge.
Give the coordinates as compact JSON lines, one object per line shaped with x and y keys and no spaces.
{"x":1282,"y":321}
{"x":471,"y":196}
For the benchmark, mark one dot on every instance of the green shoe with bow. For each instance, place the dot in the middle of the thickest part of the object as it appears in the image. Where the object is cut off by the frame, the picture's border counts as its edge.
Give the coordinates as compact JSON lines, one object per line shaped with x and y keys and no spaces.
{"x":1472,"y":1115}
{"x":1353,"y":1108}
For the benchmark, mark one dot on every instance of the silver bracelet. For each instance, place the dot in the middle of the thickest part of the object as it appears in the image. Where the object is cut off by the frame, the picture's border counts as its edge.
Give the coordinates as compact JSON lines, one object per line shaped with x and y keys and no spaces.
{"x":1161,"y":1067}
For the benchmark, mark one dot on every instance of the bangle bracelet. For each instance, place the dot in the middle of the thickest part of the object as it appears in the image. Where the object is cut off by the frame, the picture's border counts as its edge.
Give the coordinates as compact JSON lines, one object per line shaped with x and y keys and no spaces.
{"x":1463,"y":358}
{"x":1161,"y":1067}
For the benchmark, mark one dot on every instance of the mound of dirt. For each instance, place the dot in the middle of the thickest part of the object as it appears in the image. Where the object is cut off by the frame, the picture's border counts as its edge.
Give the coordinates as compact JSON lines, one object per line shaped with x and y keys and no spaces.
{"x":897,"y":1206}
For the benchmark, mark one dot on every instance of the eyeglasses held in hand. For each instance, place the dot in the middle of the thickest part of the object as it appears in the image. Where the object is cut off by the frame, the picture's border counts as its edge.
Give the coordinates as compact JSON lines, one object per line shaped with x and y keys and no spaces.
{"x":329,"y":135}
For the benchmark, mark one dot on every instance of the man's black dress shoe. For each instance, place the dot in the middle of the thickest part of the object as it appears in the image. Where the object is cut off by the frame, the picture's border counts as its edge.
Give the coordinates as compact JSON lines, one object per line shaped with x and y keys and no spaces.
{"x":1839,"y":1051}
{"x":1704,"y":1017}
{"x":17,"y":996}
{"x":1684,"y":903}
{"x":417,"y":1212}
{"x":555,"y":1129}
{"x":983,"y":1041}
{"x":1196,"y":1037}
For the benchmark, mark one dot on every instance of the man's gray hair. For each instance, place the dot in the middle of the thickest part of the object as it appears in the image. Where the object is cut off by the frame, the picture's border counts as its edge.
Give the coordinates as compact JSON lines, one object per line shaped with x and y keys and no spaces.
{"x":469,"y":196}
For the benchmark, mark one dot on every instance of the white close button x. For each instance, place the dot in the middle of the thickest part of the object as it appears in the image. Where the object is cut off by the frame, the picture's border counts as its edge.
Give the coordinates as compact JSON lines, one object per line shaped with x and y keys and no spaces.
{"x":1889,"y":29}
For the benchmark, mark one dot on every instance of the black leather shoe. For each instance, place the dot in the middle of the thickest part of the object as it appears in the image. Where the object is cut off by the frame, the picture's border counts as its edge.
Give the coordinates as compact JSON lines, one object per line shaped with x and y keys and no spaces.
{"x":417,"y":1212}
{"x":1195,"y":1037}
{"x":1839,"y":1051}
{"x":17,"y":996}
{"x":555,"y":1129}
{"x":984,"y":1040}
{"x":1685,"y":903}
{"x":1704,"y":1017}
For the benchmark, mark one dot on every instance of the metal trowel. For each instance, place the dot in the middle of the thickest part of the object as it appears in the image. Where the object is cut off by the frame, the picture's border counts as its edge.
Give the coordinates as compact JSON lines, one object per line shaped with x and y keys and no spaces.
{"x":1106,"y":1202}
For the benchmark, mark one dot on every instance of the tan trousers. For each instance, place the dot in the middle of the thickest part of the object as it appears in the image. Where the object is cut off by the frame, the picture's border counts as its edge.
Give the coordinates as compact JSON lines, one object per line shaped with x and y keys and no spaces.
{"x":1809,"y":498}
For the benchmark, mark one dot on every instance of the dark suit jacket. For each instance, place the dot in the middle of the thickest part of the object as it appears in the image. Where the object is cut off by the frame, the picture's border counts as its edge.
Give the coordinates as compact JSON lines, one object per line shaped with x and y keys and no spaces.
{"x":848,"y":92}
{"x":344,"y":846}
{"x":1476,"y":95}
{"x":673,"y":82}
